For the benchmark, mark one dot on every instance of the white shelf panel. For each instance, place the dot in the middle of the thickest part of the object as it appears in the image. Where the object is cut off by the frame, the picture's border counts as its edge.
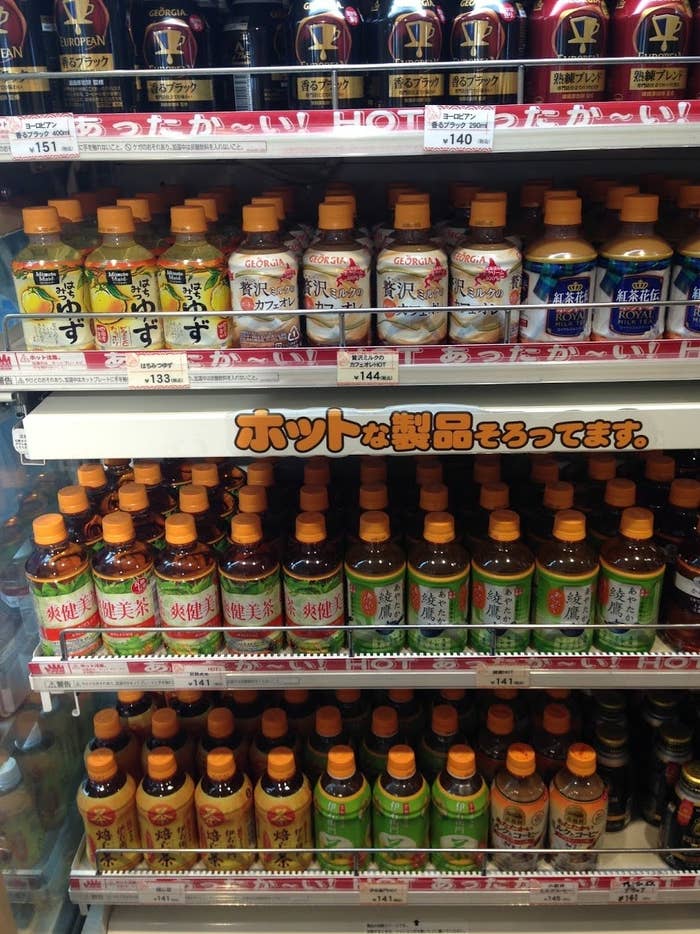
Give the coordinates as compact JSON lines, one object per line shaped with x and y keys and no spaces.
{"x":381,"y":420}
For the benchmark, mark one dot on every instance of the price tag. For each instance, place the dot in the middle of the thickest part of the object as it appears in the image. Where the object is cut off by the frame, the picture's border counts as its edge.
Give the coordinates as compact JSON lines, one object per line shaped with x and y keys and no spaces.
{"x":43,"y":136}
{"x":198,"y":680}
{"x":384,"y":892}
{"x":367,"y":367}
{"x":502,"y":676}
{"x":634,"y":891}
{"x":458,"y":129}
{"x":157,"y":371}
{"x":162,"y":893}
{"x":554,"y":893}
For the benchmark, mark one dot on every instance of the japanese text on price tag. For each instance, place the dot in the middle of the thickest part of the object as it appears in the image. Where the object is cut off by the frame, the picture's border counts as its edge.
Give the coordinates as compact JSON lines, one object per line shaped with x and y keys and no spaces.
{"x":43,"y":136}
{"x":157,"y":371}
{"x":634,"y":891}
{"x":458,"y":129}
{"x":492,"y":676}
{"x":364,"y":367}
{"x":554,"y":893}
{"x":386,"y":892}
{"x":162,"y":893}
{"x":213,"y":680}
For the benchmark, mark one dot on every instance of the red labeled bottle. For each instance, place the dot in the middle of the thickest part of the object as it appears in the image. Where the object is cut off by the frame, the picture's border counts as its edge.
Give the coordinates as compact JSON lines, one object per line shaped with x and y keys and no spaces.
{"x":567,"y":29}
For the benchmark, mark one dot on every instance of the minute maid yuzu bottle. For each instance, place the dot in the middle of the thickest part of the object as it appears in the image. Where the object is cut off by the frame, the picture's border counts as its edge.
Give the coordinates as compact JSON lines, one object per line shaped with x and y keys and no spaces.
{"x":50,"y":282}
{"x":412,"y":277}
{"x":121,"y":277}
{"x":192,"y":278}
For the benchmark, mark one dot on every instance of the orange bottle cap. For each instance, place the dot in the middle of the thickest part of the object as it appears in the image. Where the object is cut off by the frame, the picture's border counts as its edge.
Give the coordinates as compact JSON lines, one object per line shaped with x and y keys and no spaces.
{"x":428,"y":470}
{"x":564,"y":212}
{"x":44,"y":220}
{"x":581,"y":759}
{"x":494,"y":496}
{"x":161,"y":764}
{"x":602,"y":467}
{"x":385,"y":722}
{"x":500,"y":720}
{"x":92,"y":476}
{"x":348,"y":695}
{"x":274,"y":723}
{"x":401,"y":695}
{"x":616,"y":193}
{"x":544,"y":470}
{"x":300,"y":696}
{"x":88,"y":202}
{"x":504,"y":525}
{"x":685,"y":494}
{"x":261,"y":473}
{"x":372,"y":470}
{"x":148,"y":473}
{"x":205,"y":474}
{"x":252,"y":499}
{"x":220,"y":723}
{"x":660,"y":468}
{"x":688,"y":197}
{"x":335,"y":216}
{"x":221,"y":765}
{"x":444,"y":720}
{"x":520,"y":760}
{"x":68,"y":209}
{"x":139,"y":207}
{"x":640,"y":208}
{"x":401,"y":762}
{"x":328,"y":722}
{"x":118,"y":528}
{"x":487,"y":213}
{"x":412,"y":215}
{"x":156,"y":202}
{"x":313,"y":498}
{"x":208,"y":205}
{"x":374,"y":526}
{"x":101,"y":765}
{"x":620,"y":492}
{"x":115,"y":220}
{"x":637,"y":523}
{"x":556,"y":719}
{"x":72,"y":500}
{"x":341,"y":762}
{"x":106,"y":724}
{"x":260,"y":218}
{"x":461,"y":761}
{"x":246,"y":529}
{"x":133,"y":497}
{"x":165,"y":723}
{"x":453,"y":694}
{"x":487,"y":469}
{"x":373,"y":496}
{"x":317,"y":472}
{"x":180,"y":529}
{"x":310,"y":528}
{"x":280,"y":763}
{"x":188,"y":219}
{"x":130,"y":697}
{"x":274,"y":201}
{"x":193,"y":499}
{"x":49,"y":529}
{"x":433,"y":497}
{"x":439,"y":528}
{"x":569,"y":526}
{"x":558,"y":495}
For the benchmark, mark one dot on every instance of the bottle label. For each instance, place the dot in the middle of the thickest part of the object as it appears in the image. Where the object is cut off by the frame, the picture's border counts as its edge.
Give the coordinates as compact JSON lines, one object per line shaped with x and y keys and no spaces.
{"x":646,"y":284}
{"x":685,"y":284}
{"x":128,"y":287}
{"x":326,"y":38}
{"x":227,"y":824}
{"x":85,"y":44}
{"x":337,"y":279}
{"x":627,"y":600}
{"x":316,"y":602}
{"x":437,"y":601}
{"x":479,"y":278}
{"x":500,"y":601}
{"x":168,"y":822}
{"x":412,"y":280}
{"x":460,"y":823}
{"x":567,"y":284}
{"x":416,"y":37}
{"x":111,"y":823}
{"x":342,"y":822}
{"x":283,"y":824}
{"x":202,"y":289}
{"x":568,"y":599}
{"x":132,"y":602}
{"x":248,"y":604}
{"x":172,"y":43}
{"x":55,"y":289}
{"x":376,"y":602}
{"x":69,"y":603}
{"x":576,"y":825}
{"x":266,"y":286}
{"x":399,"y":824}
{"x":517,"y":826}
{"x":187,"y":607}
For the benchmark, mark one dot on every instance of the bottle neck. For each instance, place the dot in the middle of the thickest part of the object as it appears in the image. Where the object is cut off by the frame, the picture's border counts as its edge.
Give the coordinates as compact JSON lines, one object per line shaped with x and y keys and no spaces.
{"x":408,"y":237}
{"x":117,"y":239}
{"x":262,"y":238}
{"x":336,"y":236}
{"x":487,"y":234}
{"x":636,"y":229}
{"x":192,"y":236}
{"x":561,"y":231}
{"x":43,"y":239}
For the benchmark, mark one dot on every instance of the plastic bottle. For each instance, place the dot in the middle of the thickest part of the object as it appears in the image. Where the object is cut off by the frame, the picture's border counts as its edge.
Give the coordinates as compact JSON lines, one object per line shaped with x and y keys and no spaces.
{"x":328,"y":732}
{"x":62,"y":590}
{"x":476,"y":523}
{"x":342,"y":799}
{"x":432,"y":497}
{"x":540,"y":522}
{"x":376,"y":743}
{"x":566,"y":573}
{"x":144,"y":233}
{"x":616,"y":770}
{"x":400,"y":813}
{"x":192,"y":278}
{"x":316,"y":498}
{"x":372,"y":497}
{"x":100,"y":497}
{"x":578,"y":808}
{"x":188,"y":590}
{"x":49,"y":284}
{"x":247,"y":707}
{"x":136,"y":709}
{"x":221,"y":502}
{"x":165,"y":806}
{"x":463,"y":703}
{"x":588,"y":495}
{"x":150,"y":475}
{"x":544,"y":471}
{"x":223,"y":802}
{"x":437,"y":741}
{"x":672,"y":749}
{"x":74,"y":231}
{"x":680,"y":822}
{"x":194,"y":501}
{"x":192,"y":709}
{"x":215,"y":230}
{"x":253,"y":34}
{"x":604,"y":522}
{"x":300,"y":707}
{"x":283,"y":799}
{"x":494,"y":739}
{"x":552,"y":741}
{"x":485,"y":269}
{"x":609,"y":222}
{"x":274,"y":731}
{"x":22,"y":834}
{"x":655,"y":488}
{"x":635,"y":265}
{"x":558,"y":267}
{"x":684,"y":321}
{"x":502,"y":573}
{"x":118,"y":471}
{"x":355,"y":712}
{"x":83,"y":523}
{"x":677,"y":520}
{"x":166,"y":730}
{"x":683,"y":598}
{"x":411,"y":273}
{"x":148,"y":524}
{"x":459,"y":816}
{"x":221,"y":733}
{"x":410,"y":711}
{"x":109,"y":733}
{"x":38,"y":756}
{"x":106,"y":801}
{"x":519,"y":809}
{"x":629,"y":591}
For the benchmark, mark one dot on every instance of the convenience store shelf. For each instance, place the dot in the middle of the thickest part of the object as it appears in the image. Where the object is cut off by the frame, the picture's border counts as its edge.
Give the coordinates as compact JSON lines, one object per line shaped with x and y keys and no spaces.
{"x":386,"y":420}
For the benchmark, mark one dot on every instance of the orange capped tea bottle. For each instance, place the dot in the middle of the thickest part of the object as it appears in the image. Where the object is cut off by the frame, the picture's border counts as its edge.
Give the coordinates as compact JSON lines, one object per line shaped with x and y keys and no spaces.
{"x":166,"y":730}
{"x":382,"y":735}
{"x":94,"y":478}
{"x":109,"y":733}
{"x":106,"y":801}
{"x":149,"y":525}
{"x":221,"y":733}
{"x":224,"y":806}
{"x":149,"y":474}
{"x":83,"y":523}
{"x":283,"y":798}
{"x":604,"y":523}
{"x":165,"y":806}
{"x":274,"y":731}
{"x":221,"y":502}
{"x":194,"y":501}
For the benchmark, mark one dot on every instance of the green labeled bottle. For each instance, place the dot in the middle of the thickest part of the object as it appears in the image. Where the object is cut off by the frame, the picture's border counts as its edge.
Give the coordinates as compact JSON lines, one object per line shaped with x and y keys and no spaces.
{"x":400,"y":813}
{"x":342,"y":799}
{"x":438,"y":589}
{"x":382,"y":736}
{"x":459,"y":816}
{"x":629,"y":592}
{"x":375,"y":572}
{"x":328,"y":732}
{"x":565,"y":581}
{"x":442,"y":734}
{"x":502,"y":572}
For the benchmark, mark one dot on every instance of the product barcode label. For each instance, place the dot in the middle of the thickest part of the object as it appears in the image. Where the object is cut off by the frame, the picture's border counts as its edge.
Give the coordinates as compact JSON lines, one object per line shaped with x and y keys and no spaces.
{"x":386,"y":892}
{"x":43,"y":136}
{"x":157,"y":371}
{"x":458,"y":129}
{"x":634,"y":891}
{"x":367,"y":367}
{"x":502,"y":676}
